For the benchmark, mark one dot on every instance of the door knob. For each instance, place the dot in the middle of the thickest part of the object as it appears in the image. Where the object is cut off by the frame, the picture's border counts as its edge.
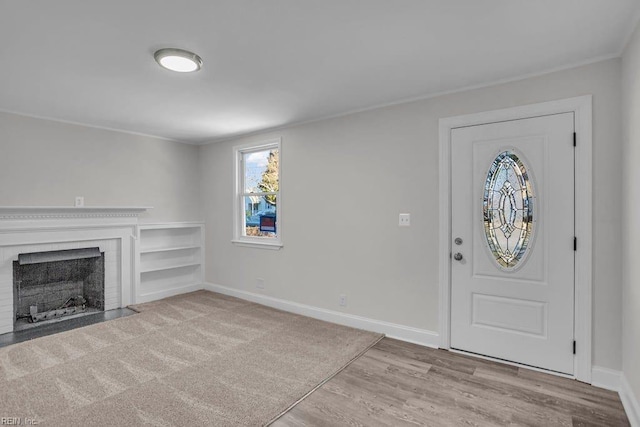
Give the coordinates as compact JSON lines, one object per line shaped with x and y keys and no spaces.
{"x":457,"y":256}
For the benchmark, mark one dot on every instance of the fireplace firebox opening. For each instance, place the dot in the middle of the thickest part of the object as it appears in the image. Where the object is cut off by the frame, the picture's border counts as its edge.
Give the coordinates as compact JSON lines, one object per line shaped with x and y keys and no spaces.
{"x":50,"y":286}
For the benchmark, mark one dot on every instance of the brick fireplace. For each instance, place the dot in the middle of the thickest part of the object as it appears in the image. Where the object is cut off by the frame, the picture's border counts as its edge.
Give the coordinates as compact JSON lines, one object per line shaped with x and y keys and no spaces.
{"x":33,"y":236}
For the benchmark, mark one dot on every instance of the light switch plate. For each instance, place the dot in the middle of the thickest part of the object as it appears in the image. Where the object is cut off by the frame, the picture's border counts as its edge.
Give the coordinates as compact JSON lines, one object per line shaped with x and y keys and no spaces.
{"x":343,"y":300}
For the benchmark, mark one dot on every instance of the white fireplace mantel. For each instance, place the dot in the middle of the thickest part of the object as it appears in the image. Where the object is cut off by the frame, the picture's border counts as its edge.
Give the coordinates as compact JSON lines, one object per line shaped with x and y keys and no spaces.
{"x":113,"y":228}
{"x":30,"y":217}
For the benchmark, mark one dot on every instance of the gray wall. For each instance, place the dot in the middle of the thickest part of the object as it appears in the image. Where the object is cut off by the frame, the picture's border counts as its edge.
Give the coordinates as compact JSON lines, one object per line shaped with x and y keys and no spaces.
{"x":631,"y":209}
{"x":358,"y":172}
{"x":47,"y":163}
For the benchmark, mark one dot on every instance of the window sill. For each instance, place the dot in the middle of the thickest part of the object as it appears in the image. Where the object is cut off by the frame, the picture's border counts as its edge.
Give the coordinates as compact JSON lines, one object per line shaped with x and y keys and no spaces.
{"x":258,"y":245}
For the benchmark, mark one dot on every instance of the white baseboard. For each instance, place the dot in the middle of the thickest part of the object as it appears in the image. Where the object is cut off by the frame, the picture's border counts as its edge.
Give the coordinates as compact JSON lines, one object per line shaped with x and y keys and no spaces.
{"x":616,"y":381}
{"x":600,"y":377}
{"x":606,"y":378}
{"x":153,"y":296}
{"x":630,"y":402}
{"x":392,"y":330}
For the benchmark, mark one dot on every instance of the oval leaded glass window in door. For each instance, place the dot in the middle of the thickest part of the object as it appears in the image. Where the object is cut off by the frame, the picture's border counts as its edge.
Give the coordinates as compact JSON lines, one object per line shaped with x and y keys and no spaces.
{"x":508,"y":210}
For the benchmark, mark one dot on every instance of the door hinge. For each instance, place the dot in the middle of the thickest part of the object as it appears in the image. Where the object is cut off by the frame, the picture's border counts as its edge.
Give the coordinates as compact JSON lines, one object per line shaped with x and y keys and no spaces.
{"x":574,"y":346}
{"x":575,"y":139}
{"x":575,"y":243}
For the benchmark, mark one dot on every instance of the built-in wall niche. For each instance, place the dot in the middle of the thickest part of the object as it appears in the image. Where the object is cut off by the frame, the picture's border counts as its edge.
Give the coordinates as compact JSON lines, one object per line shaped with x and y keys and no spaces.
{"x":171,"y":260}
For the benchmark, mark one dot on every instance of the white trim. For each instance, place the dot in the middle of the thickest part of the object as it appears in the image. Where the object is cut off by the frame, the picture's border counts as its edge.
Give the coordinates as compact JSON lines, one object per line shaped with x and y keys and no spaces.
{"x":196,"y":249}
{"x":153,"y":296}
{"x":256,"y":244}
{"x":609,"y":379}
{"x":582,"y":108}
{"x":22,"y":227}
{"x":238,"y":202}
{"x":235,"y":136}
{"x":183,"y":224}
{"x":630,"y":402}
{"x":444,"y":241}
{"x":93,"y":126}
{"x":199,"y":141}
{"x":392,"y":330}
{"x":616,"y":381}
{"x":68,"y":212}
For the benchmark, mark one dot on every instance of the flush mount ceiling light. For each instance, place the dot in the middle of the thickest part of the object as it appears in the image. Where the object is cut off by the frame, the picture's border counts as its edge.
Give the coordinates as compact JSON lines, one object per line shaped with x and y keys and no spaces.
{"x":179,"y":60}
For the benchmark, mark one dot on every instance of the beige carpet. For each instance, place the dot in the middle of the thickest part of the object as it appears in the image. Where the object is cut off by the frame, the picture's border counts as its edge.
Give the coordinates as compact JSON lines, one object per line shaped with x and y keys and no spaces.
{"x":195,"y":359}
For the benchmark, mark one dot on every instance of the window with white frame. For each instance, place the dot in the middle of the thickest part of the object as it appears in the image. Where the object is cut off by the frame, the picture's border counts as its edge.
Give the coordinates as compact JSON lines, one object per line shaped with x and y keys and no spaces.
{"x":257,"y":204}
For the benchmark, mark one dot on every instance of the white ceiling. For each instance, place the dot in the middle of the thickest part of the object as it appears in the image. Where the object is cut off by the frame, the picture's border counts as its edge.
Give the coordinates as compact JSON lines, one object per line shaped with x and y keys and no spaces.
{"x":268,"y":63}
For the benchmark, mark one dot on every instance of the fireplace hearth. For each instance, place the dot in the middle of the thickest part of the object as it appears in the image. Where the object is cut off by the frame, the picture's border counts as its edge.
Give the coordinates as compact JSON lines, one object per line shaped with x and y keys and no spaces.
{"x":52,"y":285}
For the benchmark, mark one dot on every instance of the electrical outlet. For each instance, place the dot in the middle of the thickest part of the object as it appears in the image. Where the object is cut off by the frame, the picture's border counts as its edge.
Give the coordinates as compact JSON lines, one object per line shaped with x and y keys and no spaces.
{"x":79,"y":201}
{"x":260,"y":283}
{"x":404,"y":220}
{"x":343,"y":300}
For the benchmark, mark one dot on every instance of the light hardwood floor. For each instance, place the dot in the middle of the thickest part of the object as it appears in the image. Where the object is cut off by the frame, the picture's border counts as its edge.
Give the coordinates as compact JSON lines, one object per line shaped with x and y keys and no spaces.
{"x":397,"y":383}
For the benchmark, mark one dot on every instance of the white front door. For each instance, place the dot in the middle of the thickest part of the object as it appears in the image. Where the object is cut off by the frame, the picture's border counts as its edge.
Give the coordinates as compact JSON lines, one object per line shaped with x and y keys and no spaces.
{"x":512,"y":265}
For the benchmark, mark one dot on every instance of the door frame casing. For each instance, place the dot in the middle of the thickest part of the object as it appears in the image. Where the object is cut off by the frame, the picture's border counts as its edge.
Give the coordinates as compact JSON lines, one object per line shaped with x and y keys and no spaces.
{"x":582,"y":108}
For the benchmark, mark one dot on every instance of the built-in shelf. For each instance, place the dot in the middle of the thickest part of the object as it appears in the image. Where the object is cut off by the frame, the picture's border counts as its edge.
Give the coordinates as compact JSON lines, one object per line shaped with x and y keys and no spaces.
{"x":170,"y":267}
{"x":170,"y":259}
{"x":177,"y":248}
